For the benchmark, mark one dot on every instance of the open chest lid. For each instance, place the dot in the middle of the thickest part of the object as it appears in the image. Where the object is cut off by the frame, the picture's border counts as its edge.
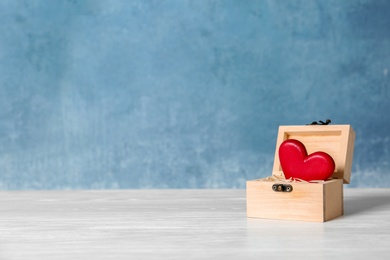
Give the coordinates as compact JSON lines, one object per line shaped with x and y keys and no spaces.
{"x":336,"y":140}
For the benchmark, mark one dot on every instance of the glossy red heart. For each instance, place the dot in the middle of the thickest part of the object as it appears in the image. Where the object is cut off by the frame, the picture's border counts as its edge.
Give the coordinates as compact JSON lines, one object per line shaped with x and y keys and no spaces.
{"x":296,"y":163}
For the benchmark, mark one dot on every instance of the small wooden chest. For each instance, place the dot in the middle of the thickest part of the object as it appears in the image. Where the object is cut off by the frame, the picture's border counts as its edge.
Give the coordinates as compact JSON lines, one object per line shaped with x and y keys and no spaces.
{"x":307,"y":201}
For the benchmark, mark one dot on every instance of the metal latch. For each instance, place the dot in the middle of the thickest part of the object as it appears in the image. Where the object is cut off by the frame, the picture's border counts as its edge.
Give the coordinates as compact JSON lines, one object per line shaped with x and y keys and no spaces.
{"x":282,"y":188}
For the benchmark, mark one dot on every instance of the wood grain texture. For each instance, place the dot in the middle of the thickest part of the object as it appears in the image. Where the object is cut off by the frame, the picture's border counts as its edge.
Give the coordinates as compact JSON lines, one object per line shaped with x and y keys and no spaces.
{"x":182,"y":224}
{"x":304,"y":203}
{"x":318,"y":202}
{"x":333,"y":200}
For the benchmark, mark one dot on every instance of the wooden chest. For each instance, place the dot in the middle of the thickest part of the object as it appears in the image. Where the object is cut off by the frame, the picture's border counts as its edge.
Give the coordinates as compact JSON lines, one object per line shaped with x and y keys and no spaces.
{"x":318,"y":201}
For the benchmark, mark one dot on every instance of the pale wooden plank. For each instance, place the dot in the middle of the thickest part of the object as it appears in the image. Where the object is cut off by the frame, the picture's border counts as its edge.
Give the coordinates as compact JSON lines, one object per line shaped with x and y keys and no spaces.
{"x":182,"y":224}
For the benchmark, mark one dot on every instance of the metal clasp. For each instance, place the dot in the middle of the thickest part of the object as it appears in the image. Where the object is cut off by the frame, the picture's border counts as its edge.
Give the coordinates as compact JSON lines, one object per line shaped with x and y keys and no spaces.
{"x":282,"y":188}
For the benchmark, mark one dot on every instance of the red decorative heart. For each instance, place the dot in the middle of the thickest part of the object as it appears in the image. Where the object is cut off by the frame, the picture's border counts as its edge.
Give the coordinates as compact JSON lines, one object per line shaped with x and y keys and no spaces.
{"x":297,"y":164}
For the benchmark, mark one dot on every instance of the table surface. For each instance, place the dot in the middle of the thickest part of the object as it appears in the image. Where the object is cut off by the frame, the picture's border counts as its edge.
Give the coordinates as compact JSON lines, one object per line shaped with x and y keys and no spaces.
{"x":182,"y":224}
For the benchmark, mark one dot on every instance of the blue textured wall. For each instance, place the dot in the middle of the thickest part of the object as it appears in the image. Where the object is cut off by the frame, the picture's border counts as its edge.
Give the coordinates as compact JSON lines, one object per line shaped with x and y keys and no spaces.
{"x":185,"y":94}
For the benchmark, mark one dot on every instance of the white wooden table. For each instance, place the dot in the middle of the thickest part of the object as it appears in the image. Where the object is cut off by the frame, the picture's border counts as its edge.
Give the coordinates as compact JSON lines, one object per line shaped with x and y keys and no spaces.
{"x":183,"y":224}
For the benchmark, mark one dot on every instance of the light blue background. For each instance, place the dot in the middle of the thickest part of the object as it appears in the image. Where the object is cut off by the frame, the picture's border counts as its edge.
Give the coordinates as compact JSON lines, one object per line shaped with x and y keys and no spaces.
{"x":185,"y":94}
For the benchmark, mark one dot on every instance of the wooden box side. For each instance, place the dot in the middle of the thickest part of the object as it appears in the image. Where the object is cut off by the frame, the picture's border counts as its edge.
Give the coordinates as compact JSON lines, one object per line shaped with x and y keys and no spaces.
{"x":333,"y":200}
{"x":336,"y":140}
{"x":315,"y":202}
{"x":304,"y":203}
{"x":348,"y":146}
